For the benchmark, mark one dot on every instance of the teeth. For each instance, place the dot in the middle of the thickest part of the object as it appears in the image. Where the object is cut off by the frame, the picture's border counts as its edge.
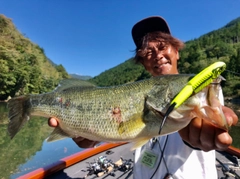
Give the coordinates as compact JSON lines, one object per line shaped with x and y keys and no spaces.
{"x":158,"y":66}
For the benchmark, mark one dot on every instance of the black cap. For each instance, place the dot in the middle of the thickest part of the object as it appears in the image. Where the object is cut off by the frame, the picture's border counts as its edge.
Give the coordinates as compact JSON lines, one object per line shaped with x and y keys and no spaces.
{"x":150,"y":24}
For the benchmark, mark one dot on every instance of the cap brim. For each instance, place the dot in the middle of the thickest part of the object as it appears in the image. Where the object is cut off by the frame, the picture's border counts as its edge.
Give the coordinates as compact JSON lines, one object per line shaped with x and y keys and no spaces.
{"x":150,"y":24}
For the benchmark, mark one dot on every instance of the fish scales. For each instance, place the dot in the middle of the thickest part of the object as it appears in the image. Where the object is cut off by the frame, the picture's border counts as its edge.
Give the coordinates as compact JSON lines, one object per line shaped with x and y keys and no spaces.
{"x":91,"y":112}
{"x":130,"y":112}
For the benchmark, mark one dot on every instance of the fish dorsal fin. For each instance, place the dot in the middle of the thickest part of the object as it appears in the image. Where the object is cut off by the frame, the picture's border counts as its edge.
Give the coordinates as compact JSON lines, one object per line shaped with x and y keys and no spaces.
{"x":57,"y":134}
{"x":73,"y":82}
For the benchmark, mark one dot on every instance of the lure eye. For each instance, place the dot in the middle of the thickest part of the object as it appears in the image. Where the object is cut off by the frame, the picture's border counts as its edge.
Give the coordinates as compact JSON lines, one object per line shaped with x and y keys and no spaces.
{"x":216,"y":72}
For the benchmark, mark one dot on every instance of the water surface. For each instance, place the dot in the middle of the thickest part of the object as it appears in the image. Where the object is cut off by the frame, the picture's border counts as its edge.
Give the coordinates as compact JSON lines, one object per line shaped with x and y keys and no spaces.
{"x":28,"y":150}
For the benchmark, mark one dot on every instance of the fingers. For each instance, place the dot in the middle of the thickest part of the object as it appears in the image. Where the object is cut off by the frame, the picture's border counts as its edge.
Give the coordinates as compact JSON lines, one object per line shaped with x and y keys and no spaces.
{"x":231,"y":117}
{"x":201,"y":134}
{"x":52,"y":122}
{"x":195,"y":132}
{"x":207,"y":136}
{"x":222,"y":140}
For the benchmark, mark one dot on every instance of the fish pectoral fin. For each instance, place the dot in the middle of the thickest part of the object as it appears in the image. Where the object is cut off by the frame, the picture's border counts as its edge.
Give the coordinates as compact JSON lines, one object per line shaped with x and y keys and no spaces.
{"x":216,"y":116}
{"x":214,"y":110}
{"x":57,"y":134}
{"x":139,"y":142}
{"x":135,"y":123}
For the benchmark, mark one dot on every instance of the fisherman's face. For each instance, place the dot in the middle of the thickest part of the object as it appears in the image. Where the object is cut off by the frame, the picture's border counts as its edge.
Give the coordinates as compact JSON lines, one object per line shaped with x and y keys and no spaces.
{"x":160,"y":59}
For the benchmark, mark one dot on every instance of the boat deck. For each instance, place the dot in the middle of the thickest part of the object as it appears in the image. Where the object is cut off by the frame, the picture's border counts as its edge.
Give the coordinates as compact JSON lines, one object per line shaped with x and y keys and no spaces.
{"x":228,"y":166}
{"x":119,"y":164}
{"x":83,"y":169}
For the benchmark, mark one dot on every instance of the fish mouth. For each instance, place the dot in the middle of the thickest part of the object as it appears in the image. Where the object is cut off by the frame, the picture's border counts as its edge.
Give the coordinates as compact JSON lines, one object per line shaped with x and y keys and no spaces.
{"x":161,"y":114}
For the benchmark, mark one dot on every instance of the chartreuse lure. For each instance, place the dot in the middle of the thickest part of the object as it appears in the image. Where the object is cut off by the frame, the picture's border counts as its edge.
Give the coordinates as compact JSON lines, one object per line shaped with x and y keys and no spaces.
{"x":196,"y":84}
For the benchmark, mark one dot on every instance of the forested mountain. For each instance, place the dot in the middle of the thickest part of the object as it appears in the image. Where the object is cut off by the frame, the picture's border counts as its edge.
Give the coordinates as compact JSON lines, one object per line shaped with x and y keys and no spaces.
{"x":81,"y":77}
{"x":24,"y":68}
{"x":123,"y":73}
{"x":219,"y":45}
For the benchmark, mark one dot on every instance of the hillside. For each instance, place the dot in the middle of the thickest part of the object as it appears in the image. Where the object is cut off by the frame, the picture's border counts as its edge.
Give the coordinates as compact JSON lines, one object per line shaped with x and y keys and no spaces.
{"x":80,"y":77}
{"x":24,"y":68}
{"x":219,"y":45}
{"x":123,"y":73}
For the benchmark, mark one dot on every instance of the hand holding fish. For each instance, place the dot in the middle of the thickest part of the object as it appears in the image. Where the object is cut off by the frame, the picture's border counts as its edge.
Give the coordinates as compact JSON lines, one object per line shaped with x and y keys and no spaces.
{"x":203,"y":135}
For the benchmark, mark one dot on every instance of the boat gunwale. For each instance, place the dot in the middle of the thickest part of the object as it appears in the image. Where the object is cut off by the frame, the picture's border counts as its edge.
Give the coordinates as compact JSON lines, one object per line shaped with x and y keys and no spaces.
{"x":233,"y":151}
{"x":68,"y":161}
{"x":82,"y":155}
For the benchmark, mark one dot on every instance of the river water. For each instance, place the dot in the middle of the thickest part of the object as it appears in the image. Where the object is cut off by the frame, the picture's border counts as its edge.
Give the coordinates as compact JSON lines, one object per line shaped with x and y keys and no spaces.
{"x":28,"y":150}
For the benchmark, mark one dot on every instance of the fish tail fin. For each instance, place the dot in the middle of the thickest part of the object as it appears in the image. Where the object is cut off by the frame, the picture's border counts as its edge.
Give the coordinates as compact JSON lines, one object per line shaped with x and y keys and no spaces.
{"x":19,"y":114}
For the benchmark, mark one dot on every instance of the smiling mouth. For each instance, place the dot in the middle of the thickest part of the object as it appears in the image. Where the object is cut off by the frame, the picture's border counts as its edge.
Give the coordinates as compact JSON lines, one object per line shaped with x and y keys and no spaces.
{"x":161,"y":65}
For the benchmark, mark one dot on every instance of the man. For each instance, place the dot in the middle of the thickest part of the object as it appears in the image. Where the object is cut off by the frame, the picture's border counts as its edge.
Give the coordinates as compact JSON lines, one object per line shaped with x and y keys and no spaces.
{"x":157,"y":51}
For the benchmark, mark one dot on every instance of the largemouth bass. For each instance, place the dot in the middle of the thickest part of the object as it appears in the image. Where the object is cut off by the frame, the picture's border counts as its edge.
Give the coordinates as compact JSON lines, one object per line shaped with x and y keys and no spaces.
{"x":128,"y":113}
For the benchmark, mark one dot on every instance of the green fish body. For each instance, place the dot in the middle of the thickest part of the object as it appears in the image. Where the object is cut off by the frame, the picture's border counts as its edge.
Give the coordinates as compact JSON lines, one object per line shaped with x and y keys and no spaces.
{"x":128,"y":113}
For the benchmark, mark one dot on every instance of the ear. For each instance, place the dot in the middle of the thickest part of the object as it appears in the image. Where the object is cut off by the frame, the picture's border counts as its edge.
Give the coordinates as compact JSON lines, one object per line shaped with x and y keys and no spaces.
{"x":177,"y":54}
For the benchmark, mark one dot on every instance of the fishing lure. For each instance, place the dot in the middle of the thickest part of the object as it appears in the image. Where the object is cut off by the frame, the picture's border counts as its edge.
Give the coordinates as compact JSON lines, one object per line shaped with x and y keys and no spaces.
{"x":196,"y":84}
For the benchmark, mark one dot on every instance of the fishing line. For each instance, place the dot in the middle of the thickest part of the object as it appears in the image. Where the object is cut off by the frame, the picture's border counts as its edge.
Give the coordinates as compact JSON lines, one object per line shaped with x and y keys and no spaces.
{"x":169,"y":110}
{"x":232,"y":72}
{"x":162,"y":157}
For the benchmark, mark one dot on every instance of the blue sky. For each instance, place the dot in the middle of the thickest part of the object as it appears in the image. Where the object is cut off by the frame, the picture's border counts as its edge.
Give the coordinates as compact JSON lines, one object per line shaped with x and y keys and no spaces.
{"x":90,"y":36}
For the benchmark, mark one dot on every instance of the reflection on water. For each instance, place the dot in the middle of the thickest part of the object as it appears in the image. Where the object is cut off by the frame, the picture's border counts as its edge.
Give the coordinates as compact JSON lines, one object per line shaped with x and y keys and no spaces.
{"x":29,"y":150}
{"x":48,"y":154}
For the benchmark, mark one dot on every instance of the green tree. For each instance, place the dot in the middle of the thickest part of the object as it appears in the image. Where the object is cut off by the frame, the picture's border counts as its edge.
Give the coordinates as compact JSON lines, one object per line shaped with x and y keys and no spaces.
{"x":62,"y":71}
